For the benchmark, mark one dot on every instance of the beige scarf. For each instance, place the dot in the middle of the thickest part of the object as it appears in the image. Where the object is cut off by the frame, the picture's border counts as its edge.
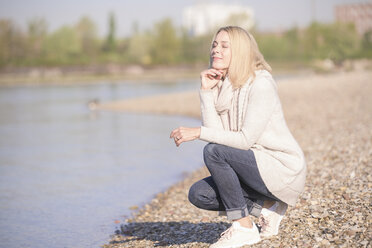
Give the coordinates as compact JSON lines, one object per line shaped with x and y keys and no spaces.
{"x":229,"y":104}
{"x":224,"y":104}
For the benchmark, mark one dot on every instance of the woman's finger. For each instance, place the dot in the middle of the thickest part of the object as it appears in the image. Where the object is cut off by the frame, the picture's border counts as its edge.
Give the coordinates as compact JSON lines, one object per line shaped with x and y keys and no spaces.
{"x":211,"y":74}
{"x":216,"y":71}
{"x":174,"y":132}
{"x":208,"y":72}
{"x":179,"y":141}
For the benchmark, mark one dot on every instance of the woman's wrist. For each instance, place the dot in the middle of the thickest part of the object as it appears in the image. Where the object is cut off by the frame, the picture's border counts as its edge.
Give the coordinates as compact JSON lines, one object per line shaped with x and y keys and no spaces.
{"x":198,"y":131}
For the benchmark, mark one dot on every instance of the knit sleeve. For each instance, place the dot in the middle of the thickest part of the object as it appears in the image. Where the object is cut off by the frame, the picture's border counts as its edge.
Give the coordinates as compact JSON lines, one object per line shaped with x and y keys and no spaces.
{"x":262,"y":101}
{"x":210,"y":117}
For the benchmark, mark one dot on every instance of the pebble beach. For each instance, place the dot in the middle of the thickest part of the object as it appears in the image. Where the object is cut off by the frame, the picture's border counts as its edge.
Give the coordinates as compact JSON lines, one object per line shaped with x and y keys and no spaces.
{"x":330,"y":115}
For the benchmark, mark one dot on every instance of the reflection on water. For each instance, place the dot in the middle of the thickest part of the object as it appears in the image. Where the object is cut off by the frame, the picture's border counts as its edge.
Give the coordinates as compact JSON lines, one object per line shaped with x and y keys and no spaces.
{"x":66,"y":174}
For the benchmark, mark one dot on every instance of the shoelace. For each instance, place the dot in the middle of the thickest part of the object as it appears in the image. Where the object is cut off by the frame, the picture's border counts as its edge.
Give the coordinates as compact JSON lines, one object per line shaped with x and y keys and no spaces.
{"x":264,"y":224}
{"x":227,"y":234}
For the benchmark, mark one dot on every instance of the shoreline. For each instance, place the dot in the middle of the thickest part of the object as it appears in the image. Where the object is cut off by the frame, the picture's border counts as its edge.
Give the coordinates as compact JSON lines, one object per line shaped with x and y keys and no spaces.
{"x":68,"y":75}
{"x":56,"y":77}
{"x":330,"y":116}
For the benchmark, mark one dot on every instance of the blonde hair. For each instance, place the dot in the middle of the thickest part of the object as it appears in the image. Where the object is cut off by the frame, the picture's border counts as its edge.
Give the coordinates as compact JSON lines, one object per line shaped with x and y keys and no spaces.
{"x":245,"y":56}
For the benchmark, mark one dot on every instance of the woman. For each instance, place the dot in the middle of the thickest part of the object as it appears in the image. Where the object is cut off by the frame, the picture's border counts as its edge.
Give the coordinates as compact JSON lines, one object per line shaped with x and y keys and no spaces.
{"x":256,"y":166}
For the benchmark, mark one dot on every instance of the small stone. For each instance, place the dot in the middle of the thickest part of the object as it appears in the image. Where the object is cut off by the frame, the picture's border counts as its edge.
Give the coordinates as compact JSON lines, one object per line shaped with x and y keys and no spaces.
{"x":325,"y":242}
{"x":352,"y":174}
{"x":343,"y":188}
{"x":205,"y":219}
{"x":318,"y":239}
{"x":346,"y":196}
{"x":350,"y":233}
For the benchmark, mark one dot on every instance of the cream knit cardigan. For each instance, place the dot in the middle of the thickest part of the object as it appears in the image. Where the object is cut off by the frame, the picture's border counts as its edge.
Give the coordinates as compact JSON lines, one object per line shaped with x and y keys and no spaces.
{"x":254,"y":120}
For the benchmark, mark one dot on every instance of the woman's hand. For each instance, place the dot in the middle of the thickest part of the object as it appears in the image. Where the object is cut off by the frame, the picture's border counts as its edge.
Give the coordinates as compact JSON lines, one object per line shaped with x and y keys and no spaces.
{"x":183,"y":134}
{"x":209,"y":78}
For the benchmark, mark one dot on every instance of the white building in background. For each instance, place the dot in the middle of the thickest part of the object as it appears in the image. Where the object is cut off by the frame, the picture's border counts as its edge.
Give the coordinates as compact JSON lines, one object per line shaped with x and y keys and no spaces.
{"x":203,"y":18}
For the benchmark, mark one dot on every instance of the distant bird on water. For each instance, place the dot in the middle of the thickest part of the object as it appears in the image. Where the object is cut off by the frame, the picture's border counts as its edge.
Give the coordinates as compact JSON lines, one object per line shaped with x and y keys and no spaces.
{"x":92,"y":104}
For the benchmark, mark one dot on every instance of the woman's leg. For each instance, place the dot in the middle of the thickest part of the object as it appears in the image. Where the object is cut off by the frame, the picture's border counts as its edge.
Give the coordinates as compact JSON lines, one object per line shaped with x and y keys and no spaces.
{"x":229,"y":167}
{"x":204,"y":194}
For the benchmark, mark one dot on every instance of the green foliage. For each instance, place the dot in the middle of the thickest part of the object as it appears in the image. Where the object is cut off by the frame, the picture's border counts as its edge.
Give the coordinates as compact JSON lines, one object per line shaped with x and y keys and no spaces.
{"x":138,"y":50}
{"x":366,"y":49}
{"x":110,"y":44}
{"x":272,"y":46}
{"x":334,"y":41}
{"x":318,"y":41}
{"x":195,"y":49}
{"x":12,"y":43}
{"x":165,"y":44}
{"x":165,"y":47}
{"x":87,"y":35}
{"x":62,"y":46}
{"x":36,"y":38}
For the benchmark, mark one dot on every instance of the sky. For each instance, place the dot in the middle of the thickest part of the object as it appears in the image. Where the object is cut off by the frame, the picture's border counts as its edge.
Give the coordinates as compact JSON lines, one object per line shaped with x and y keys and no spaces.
{"x":270,"y":15}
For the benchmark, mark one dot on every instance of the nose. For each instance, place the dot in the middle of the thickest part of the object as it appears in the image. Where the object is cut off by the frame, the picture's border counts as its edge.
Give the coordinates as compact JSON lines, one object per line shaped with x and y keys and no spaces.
{"x":215,"y":50}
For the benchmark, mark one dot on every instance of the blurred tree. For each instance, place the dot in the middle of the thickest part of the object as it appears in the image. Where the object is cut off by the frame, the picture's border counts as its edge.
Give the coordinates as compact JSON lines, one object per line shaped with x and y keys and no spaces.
{"x":273,"y":46}
{"x":37,"y":34}
{"x":138,"y":50}
{"x":294,"y":49}
{"x":334,"y":41}
{"x":195,"y":49}
{"x":63,"y":46}
{"x":12,"y":43}
{"x":366,"y":50}
{"x":87,"y":35}
{"x":165,"y":47}
{"x":165,"y":44}
{"x":110,"y":44}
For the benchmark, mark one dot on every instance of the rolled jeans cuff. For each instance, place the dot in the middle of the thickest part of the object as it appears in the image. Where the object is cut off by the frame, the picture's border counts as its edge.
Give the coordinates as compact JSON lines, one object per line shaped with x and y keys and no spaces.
{"x":234,"y":214}
{"x":255,"y":209}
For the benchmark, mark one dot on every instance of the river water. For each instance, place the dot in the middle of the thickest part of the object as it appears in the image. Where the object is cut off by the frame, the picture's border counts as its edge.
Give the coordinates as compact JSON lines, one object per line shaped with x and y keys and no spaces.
{"x":68,"y":176}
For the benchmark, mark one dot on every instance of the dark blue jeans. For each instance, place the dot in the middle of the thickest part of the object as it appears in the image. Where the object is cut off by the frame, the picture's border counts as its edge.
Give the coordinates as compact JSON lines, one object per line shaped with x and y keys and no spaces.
{"x":235,"y":184}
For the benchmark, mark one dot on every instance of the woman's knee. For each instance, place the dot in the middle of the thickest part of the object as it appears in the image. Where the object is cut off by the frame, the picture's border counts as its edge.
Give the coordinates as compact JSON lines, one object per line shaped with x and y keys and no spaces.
{"x":213,"y":154}
{"x":212,"y":150}
{"x":200,"y":194}
{"x":209,"y":149}
{"x":193,"y":195}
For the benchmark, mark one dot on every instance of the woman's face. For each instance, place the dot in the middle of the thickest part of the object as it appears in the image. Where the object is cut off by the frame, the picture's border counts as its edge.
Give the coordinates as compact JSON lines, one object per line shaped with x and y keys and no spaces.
{"x":221,"y":51}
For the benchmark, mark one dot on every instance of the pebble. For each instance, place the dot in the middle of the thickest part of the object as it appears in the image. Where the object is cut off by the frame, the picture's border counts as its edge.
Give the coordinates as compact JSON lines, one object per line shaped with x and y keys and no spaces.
{"x":331,"y":118}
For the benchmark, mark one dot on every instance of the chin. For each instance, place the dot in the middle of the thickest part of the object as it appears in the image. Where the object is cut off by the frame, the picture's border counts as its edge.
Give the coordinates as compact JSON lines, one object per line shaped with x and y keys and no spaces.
{"x":219,"y":67}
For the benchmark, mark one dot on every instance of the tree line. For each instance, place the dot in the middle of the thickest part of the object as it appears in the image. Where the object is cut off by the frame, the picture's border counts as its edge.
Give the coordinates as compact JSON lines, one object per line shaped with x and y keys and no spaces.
{"x":166,"y":44}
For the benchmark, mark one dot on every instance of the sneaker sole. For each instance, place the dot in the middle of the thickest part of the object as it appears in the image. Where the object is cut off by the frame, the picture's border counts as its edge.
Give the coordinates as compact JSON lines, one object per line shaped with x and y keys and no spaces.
{"x":251,"y":242}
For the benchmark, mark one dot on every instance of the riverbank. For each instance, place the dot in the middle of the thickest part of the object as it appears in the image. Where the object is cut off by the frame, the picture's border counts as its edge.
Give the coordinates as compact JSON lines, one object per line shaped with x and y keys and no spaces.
{"x":52,"y":75}
{"x":93,"y":73}
{"x":331,"y":118}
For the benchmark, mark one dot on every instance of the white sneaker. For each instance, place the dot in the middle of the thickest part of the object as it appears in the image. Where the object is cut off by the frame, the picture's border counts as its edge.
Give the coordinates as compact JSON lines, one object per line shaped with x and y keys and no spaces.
{"x":270,"y":219}
{"x":237,"y":236}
